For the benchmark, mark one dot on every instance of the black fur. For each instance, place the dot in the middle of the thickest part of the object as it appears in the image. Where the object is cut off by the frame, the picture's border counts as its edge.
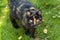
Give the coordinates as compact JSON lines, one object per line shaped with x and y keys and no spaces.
{"x":17,"y":12}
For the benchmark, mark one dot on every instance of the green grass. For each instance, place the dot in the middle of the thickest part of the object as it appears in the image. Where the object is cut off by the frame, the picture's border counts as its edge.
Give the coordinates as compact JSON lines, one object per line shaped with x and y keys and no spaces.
{"x":50,"y":14}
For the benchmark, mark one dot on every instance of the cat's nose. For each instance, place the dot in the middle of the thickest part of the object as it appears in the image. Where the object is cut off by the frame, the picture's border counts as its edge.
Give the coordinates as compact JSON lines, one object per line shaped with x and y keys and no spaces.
{"x":35,"y":20}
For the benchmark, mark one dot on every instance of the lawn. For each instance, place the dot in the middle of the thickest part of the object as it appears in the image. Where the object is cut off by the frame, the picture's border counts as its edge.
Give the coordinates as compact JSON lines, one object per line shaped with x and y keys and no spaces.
{"x":51,"y":21}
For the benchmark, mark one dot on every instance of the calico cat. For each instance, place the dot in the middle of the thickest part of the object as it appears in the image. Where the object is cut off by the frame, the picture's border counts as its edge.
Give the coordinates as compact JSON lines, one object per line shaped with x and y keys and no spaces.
{"x":26,"y":13}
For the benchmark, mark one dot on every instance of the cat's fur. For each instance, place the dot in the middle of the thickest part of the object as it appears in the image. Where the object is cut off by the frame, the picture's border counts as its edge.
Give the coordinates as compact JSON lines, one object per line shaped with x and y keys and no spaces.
{"x":18,"y":11}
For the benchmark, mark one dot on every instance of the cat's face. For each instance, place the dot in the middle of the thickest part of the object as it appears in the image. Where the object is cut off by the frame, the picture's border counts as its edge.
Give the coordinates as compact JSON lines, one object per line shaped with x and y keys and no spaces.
{"x":34,"y":17}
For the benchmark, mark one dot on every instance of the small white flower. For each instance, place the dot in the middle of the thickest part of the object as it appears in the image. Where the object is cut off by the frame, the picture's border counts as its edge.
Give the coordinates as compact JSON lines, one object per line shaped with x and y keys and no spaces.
{"x":59,"y":13}
{"x":45,"y":31}
{"x":58,"y":16}
{"x":20,"y":38}
{"x":6,"y":7}
{"x":54,"y":16}
{"x":3,"y":16}
{"x":46,"y":13}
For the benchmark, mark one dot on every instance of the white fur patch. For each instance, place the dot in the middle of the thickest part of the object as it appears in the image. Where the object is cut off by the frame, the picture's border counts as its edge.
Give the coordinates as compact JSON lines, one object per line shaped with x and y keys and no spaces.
{"x":28,"y":13}
{"x":32,"y":8}
{"x":31,"y":21}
